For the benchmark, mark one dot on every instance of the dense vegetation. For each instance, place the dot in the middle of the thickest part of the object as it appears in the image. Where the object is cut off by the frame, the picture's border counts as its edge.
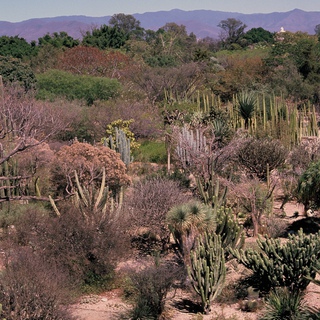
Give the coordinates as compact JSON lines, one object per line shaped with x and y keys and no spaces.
{"x":158,"y":144}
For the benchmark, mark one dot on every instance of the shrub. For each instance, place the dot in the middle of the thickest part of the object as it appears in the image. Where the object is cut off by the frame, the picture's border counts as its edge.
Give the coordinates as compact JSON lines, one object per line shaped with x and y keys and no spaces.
{"x":152,"y":151}
{"x":32,"y":289}
{"x":261,"y":156}
{"x":88,"y":161}
{"x":55,"y":83}
{"x":152,"y":285}
{"x":85,"y":252}
{"x":150,"y":201}
{"x":308,"y":190}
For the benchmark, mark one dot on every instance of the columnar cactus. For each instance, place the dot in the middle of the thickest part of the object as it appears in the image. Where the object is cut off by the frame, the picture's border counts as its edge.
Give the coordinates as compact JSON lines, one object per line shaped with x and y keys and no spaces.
{"x":207,"y":271}
{"x":121,"y":144}
{"x":283,"y":265}
{"x":231,"y":232}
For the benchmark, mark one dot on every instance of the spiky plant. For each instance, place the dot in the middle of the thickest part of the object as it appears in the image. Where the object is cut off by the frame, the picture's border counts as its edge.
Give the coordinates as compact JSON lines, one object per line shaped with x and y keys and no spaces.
{"x":283,"y":304}
{"x":186,"y":222}
{"x":246,"y":107}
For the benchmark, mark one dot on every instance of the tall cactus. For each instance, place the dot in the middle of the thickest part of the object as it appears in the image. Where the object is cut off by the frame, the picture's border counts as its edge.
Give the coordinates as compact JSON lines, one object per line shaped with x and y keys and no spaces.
{"x":207,"y":271}
{"x":230,"y":231}
{"x":283,"y":265}
{"x":121,"y":144}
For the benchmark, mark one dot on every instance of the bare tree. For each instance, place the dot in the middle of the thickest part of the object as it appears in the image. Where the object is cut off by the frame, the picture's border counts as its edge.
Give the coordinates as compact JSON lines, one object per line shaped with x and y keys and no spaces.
{"x":24,"y":124}
{"x":254,"y":196}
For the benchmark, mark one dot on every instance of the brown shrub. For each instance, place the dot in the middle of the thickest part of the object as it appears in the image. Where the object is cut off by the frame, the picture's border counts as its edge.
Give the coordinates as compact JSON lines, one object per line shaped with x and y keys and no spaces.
{"x":85,"y":252}
{"x":149,"y":203}
{"x":31,"y":289}
{"x":88,"y":161}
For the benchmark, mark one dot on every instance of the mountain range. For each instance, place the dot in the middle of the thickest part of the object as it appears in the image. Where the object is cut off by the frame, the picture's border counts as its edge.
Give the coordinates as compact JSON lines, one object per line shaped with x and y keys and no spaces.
{"x":202,"y":23}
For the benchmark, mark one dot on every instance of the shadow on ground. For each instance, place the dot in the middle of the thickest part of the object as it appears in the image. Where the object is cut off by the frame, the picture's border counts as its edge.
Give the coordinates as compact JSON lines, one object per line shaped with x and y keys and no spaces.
{"x":309,"y":225}
{"x":186,"y":305}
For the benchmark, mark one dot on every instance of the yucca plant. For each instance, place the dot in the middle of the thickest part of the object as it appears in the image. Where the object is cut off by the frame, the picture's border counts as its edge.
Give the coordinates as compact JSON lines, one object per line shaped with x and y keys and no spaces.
{"x":283,"y":304}
{"x":246,"y":107}
{"x":186,"y":222}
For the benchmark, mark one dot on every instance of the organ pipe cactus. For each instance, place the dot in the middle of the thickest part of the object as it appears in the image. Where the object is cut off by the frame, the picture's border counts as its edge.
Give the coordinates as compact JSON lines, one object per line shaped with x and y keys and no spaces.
{"x":230,"y":231}
{"x":290,"y":264}
{"x":207,"y":271}
{"x":121,"y":144}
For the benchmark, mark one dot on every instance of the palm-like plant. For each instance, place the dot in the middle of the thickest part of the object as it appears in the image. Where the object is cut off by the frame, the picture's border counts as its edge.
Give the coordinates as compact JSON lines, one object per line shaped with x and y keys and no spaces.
{"x":187,"y":221}
{"x":246,"y":107}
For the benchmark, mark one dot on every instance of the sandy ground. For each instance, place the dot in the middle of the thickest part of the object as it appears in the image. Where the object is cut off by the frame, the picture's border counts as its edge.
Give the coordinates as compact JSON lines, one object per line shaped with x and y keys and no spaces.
{"x":110,"y":305}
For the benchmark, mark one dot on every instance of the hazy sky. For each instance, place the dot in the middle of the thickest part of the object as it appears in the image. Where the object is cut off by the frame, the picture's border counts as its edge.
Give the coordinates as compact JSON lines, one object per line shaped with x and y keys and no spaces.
{"x":19,"y":10}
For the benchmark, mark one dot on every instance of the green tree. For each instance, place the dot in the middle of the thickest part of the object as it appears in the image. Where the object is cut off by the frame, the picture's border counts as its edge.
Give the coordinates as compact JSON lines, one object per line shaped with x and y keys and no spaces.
{"x":14,"y":71}
{"x":16,"y":47}
{"x":58,"y":40}
{"x":258,"y":35}
{"x":317,"y":30}
{"x":294,"y":65}
{"x":171,"y":45}
{"x":105,"y":37}
{"x":127,"y":23}
{"x":232,"y":31}
{"x":47,"y":58}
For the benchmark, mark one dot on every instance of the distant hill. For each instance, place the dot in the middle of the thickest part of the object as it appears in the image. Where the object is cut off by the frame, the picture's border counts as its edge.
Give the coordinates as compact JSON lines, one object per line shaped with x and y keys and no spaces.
{"x":201,"y":22}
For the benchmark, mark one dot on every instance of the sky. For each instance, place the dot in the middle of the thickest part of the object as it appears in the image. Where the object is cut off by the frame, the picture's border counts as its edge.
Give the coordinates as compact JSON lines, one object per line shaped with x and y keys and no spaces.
{"x":20,"y":10}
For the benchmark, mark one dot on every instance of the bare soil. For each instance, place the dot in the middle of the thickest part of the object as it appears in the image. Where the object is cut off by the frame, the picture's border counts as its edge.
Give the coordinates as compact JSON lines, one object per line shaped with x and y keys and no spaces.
{"x":180,"y":304}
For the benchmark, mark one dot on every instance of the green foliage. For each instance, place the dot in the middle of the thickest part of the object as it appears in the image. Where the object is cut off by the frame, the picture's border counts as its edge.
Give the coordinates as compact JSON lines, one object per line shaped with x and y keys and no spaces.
{"x":127,"y":23}
{"x":246,"y":107}
{"x":124,"y":125}
{"x":285,"y":305}
{"x":186,"y":222}
{"x":56,"y":83}
{"x":295,"y":60}
{"x":207,"y":270}
{"x":233,"y":30}
{"x":283,"y":265}
{"x":58,"y":40}
{"x":230,"y":231}
{"x":105,"y":37}
{"x":121,"y":139}
{"x":308,"y":190}
{"x":14,"y":71}
{"x":258,"y":35}
{"x":151,"y":151}
{"x":16,"y":47}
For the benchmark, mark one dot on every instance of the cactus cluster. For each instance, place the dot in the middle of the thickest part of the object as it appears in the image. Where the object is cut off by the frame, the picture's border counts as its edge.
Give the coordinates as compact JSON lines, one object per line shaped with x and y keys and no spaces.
{"x":207,"y":271}
{"x":121,"y":144}
{"x":290,"y":264}
{"x":230,"y":231}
